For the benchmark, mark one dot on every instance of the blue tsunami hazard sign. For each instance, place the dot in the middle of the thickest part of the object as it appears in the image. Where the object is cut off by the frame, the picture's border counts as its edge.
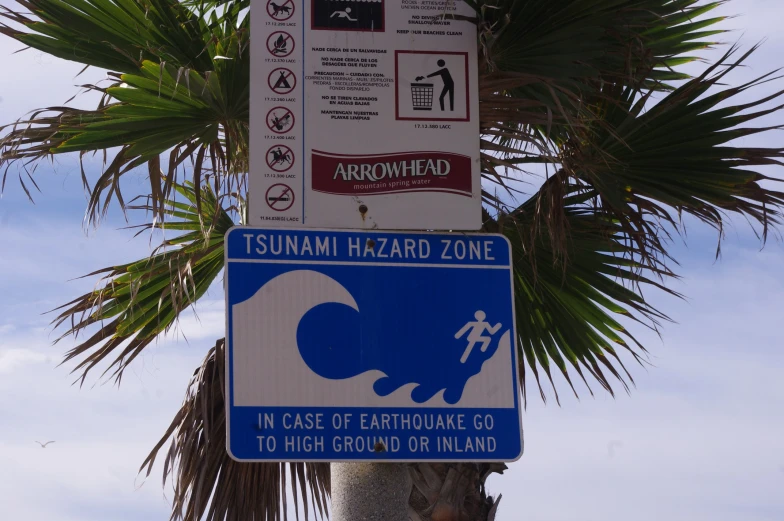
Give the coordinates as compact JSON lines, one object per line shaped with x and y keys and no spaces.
{"x":370,"y":346}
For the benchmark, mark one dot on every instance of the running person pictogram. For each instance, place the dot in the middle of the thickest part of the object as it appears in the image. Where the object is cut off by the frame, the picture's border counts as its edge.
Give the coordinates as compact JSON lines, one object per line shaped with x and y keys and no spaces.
{"x":449,"y":84}
{"x":475,"y":331}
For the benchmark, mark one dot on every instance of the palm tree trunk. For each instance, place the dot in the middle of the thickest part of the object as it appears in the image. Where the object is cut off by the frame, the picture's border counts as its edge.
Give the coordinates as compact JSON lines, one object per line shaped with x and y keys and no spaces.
{"x":452,"y":492}
{"x":416,"y":492}
{"x":370,"y":491}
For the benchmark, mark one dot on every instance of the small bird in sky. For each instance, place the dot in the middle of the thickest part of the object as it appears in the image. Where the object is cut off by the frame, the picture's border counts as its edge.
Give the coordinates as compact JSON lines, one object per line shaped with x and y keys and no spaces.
{"x":43,"y":445}
{"x":611,"y":447}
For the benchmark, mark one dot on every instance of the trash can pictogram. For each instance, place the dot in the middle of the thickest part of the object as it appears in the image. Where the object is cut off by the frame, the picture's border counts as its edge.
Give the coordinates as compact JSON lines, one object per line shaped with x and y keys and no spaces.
{"x":422,"y":96}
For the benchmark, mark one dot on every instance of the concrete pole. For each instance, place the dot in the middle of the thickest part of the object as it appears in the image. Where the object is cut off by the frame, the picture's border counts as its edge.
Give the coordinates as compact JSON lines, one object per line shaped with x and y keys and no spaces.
{"x":370,"y":491}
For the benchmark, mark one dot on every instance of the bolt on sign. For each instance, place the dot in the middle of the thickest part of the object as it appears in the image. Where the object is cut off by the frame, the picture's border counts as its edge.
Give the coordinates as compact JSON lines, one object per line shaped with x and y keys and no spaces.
{"x":367,"y":112}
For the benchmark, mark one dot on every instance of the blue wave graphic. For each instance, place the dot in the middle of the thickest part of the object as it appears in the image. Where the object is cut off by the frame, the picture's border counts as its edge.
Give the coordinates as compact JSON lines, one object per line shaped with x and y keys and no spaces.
{"x":335,"y":342}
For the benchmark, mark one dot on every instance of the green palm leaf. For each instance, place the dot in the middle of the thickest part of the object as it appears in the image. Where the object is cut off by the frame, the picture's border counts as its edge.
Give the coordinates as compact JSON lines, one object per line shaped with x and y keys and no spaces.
{"x":676,"y":156}
{"x":140,"y":300}
{"x":570,"y":315}
{"x":553,"y":54}
{"x":185,"y":102}
{"x":115,"y":35}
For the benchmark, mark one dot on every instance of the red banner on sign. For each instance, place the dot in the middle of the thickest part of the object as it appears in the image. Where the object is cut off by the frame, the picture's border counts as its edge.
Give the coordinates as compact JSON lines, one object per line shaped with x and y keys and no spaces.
{"x":343,"y":174}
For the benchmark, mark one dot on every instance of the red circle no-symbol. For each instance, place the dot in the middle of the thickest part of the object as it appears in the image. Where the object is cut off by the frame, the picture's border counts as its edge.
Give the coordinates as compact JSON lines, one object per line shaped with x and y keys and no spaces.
{"x":280,"y":10}
{"x":282,"y":81}
{"x":280,"y":120}
{"x":280,"y":158}
{"x":280,"y":197}
{"x":280,"y":44}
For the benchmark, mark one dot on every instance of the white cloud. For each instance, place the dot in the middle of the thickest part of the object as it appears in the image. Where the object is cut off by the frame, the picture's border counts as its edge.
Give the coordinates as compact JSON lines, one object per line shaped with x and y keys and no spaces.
{"x":7,"y":328}
{"x":13,"y":359}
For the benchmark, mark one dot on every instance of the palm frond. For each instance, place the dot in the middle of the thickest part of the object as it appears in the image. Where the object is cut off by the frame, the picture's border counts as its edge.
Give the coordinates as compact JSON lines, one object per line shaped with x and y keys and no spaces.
{"x":175,"y":98}
{"x":542,"y":63}
{"x":562,"y":51}
{"x":206,"y":6}
{"x":116,"y":35}
{"x":570,"y":312}
{"x":140,"y":300}
{"x":675,"y":157}
{"x":160,"y":110}
{"x":208,"y":484}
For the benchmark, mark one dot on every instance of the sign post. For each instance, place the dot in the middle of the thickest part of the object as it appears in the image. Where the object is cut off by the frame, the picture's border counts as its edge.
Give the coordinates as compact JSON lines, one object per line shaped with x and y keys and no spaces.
{"x":376,"y":102}
{"x":370,"y":346}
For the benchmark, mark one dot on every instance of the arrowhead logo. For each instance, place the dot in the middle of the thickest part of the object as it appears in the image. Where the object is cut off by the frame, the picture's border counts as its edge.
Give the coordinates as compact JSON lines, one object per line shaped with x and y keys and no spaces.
{"x":343,"y":174}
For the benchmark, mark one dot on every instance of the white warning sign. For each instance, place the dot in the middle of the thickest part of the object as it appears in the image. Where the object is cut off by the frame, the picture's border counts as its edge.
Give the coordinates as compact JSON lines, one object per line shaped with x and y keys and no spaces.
{"x":367,"y":112}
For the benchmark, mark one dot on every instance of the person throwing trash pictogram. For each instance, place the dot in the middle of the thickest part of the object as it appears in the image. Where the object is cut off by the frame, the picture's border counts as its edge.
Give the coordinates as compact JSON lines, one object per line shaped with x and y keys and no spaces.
{"x":449,"y":84}
{"x":475,"y":331}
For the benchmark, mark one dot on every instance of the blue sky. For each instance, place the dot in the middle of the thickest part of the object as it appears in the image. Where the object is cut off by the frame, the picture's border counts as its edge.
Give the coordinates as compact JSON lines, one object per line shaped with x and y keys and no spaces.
{"x":700,"y":438}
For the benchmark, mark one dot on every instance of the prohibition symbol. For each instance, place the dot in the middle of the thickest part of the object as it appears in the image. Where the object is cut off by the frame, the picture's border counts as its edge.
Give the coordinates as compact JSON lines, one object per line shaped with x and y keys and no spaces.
{"x":281,"y":10}
{"x":280,"y":120}
{"x":280,"y":44}
{"x":280,"y":158}
{"x":280,"y":197}
{"x":282,"y":81}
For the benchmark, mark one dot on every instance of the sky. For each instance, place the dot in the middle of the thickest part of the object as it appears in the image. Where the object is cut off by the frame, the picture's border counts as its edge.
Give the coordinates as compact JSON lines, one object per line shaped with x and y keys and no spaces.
{"x":700,"y":437}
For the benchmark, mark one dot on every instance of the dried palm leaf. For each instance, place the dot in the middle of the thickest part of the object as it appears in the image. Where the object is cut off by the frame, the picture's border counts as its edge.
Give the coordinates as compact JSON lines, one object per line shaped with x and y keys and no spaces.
{"x":208,"y":484}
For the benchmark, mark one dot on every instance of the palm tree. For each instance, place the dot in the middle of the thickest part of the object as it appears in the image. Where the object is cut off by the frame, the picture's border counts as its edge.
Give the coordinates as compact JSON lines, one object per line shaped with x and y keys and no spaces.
{"x":591,"y":91}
